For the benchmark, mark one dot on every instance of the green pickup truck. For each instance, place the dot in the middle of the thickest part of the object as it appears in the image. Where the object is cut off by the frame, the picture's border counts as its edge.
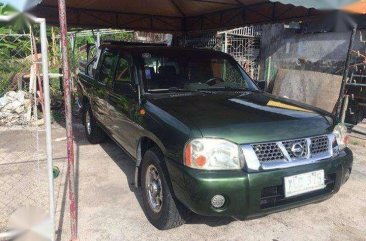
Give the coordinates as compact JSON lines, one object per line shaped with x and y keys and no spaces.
{"x":205,"y":138}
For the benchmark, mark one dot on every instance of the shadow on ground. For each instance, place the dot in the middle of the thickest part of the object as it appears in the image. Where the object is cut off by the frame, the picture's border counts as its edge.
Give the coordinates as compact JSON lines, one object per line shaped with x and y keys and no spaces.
{"x":126,"y":165}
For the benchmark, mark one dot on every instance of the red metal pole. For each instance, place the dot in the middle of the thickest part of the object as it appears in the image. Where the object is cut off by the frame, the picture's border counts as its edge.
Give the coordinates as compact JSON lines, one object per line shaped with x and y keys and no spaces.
{"x":68,"y":117}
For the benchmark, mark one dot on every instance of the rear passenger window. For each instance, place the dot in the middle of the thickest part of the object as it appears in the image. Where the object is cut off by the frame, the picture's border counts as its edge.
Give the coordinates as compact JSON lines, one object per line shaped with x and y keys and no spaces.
{"x":123,"y":71}
{"x":106,"y":70}
{"x":122,"y":83}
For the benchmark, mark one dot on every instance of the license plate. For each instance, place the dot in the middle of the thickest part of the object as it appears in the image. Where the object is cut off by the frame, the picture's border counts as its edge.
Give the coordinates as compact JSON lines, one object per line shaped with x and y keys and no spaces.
{"x":303,"y":183}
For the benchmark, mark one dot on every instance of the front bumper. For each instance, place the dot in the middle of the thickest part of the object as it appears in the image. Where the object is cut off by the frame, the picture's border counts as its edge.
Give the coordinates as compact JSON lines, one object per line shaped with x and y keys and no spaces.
{"x":252,"y":194}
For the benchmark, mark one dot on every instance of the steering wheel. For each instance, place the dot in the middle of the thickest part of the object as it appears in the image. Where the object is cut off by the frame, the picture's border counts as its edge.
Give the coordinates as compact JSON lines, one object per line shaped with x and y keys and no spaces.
{"x":214,"y":81}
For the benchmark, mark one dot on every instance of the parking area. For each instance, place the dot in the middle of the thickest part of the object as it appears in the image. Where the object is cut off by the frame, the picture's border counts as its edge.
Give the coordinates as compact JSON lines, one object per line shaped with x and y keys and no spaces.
{"x":109,"y":206}
{"x":181,"y":69}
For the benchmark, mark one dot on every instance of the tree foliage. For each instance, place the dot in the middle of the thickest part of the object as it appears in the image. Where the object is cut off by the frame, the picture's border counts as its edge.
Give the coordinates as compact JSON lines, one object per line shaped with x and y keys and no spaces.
{"x":14,"y":48}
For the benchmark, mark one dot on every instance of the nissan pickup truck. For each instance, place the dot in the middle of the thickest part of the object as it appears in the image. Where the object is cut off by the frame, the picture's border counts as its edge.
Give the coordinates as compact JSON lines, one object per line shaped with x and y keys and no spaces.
{"x":205,"y":138}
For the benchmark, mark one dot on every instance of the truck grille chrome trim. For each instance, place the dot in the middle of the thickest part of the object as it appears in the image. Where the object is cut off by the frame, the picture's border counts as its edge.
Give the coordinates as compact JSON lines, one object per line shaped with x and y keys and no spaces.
{"x":268,"y":152}
{"x":319,"y":144}
{"x":288,"y":153}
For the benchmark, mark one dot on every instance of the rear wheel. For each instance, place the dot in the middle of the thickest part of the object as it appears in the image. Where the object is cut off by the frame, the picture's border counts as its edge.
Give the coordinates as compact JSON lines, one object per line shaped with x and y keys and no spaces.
{"x":161,"y":208}
{"x":93,"y":132}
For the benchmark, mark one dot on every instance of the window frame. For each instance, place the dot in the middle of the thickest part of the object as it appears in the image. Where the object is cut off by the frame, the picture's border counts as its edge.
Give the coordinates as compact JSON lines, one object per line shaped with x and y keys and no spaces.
{"x":88,"y":70}
{"x":144,"y":86}
{"x":132,"y":70}
{"x":129,"y":64}
{"x":113,"y":69}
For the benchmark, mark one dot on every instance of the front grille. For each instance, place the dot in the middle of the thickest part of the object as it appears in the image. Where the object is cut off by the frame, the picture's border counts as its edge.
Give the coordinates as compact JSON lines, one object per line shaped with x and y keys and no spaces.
{"x":288,"y":146}
{"x":268,"y":152}
{"x":319,"y":144}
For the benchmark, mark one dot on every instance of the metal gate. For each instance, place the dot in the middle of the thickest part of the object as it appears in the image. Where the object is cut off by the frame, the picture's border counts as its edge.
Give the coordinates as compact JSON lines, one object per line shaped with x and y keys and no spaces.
{"x":242,"y":43}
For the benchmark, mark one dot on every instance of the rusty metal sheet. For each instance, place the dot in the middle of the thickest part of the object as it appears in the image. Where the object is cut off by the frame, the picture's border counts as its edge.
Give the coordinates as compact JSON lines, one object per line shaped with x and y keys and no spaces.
{"x":313,"y":88}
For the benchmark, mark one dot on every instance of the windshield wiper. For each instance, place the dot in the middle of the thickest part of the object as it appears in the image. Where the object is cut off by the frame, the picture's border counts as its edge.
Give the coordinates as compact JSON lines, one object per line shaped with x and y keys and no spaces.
{"x":172,"y":89}
{"x":180,"y":90}
{"x":225,"y":88}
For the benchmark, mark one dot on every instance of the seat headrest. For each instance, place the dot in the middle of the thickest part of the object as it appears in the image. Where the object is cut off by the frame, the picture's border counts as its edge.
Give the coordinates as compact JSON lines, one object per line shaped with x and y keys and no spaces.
{"x":151,"y":69}
{"x":149,"y":72}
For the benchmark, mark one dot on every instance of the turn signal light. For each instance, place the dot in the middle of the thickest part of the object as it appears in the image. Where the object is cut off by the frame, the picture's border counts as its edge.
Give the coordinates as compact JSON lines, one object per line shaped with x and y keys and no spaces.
{"x":201,"y":161}
{"x":142,"y":112}
{"x":187,"y":155}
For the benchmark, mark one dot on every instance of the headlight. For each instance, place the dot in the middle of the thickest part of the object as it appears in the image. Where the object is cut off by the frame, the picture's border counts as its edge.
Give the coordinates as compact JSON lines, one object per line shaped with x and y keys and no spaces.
{"x":213,"y":154}
{"x":341,"y":136}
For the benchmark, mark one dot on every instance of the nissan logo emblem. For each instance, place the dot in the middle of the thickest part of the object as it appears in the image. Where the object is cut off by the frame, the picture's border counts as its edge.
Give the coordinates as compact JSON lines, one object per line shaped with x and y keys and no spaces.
{"x":298,"y":149}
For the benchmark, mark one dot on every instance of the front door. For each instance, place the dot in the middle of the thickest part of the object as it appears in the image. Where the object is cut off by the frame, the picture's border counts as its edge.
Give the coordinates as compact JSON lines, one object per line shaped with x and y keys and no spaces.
{"x":124,"y":99}
{"x":101,"y":107}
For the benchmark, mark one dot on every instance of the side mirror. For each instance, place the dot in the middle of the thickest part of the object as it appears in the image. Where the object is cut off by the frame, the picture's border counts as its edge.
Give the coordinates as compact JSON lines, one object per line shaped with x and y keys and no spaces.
{"x":261,"y":84}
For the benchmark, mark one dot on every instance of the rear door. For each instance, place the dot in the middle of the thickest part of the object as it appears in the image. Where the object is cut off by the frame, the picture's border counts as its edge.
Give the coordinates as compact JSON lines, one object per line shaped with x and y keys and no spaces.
{"x":125,"y":105}
{"x":103,"y":86}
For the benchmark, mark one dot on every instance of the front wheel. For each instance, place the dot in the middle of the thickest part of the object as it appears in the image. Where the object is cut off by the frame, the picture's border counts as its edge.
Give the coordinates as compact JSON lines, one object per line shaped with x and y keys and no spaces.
{"x":161,"y":208}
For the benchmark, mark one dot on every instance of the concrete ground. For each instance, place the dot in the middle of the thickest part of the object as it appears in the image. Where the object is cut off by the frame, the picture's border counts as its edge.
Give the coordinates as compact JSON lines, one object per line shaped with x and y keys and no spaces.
{"x":109,"y":207}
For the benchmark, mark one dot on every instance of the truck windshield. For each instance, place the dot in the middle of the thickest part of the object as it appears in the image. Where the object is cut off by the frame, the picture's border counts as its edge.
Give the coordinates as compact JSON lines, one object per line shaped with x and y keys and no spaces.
{"x":193,"y":73}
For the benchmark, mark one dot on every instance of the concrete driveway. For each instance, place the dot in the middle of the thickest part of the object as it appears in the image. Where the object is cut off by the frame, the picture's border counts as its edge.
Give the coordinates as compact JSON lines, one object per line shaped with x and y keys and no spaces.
{"x":109,"y":206}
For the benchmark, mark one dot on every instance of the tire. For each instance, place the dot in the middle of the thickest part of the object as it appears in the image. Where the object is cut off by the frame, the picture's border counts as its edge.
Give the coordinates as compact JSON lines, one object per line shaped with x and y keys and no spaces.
{"x":170,"y":213}
{"x":94,"y":133}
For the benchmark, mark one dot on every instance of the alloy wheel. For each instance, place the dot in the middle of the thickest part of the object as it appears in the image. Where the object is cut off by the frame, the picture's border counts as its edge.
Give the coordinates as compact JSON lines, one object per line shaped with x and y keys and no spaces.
{"x":154,"y":188}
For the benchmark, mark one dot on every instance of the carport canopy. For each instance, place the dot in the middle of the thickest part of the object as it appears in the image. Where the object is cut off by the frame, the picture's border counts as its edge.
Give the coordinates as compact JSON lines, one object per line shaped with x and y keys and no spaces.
{"x":173,"y":15}
{"x":187,"y":15}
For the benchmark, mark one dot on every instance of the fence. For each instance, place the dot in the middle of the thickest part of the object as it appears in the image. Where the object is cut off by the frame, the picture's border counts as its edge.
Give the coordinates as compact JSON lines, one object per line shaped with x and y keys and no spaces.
{"x":241,"y":43}
{"x":24,"y":171}
{"x":209,"y":40}
{"x":246,"y":51}
{"x":15,"y":60}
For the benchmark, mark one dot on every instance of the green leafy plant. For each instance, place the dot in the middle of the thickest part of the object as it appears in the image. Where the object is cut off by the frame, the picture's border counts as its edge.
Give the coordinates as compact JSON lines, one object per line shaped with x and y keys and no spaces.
{"x":15,"y":48}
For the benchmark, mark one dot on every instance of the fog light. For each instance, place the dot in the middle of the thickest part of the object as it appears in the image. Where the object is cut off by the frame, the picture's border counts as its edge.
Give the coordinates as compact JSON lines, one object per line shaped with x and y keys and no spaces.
{"x":218,"y":201}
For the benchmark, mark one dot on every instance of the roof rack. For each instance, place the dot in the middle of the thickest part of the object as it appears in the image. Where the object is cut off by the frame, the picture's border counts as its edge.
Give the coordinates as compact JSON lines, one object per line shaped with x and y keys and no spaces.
{"x":125,"y":43}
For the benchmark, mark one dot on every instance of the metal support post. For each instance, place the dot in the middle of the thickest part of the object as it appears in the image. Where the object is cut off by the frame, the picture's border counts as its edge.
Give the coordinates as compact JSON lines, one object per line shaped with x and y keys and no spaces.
{"x":225,"y":43}
{"x":47,"y":117}
{"x":47,"y":109}
{"x":344,"y":108}
{"x":68,"y":117}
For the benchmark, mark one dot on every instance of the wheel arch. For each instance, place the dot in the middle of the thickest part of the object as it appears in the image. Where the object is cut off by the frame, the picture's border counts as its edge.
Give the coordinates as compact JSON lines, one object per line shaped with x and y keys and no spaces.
{"x":145,"y":143}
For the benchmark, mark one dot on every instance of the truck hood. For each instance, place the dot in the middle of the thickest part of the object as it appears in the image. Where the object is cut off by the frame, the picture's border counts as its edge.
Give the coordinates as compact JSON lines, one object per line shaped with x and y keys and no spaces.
{"x":246,"y":117}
